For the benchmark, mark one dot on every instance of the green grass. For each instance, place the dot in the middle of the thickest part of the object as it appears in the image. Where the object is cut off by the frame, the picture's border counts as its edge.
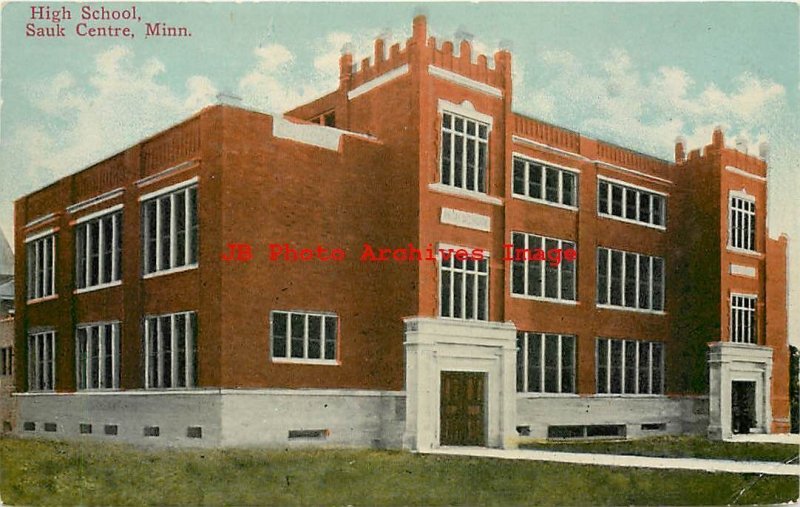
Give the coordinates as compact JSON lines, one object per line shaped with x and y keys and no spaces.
{"x":677,"y":447}
{"x":56,"y":473}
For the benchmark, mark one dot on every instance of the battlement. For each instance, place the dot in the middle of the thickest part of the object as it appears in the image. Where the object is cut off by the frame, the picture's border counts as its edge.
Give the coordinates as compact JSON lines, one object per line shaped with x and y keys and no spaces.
{"x":546,"y":133}
{"x":464,"y":62}
{"x":734,"y":157}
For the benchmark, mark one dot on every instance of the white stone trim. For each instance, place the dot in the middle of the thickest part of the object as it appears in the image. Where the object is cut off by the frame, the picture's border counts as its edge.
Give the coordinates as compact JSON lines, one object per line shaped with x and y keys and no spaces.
{"x":741,"y":194}
{"x":465,"y":109}
{"x":739,"y":270}
{"x":179,"y":269}
{"x":632,"y":171}
{"x":93,"y":201}
{"x":169,"y":189}
{"x":40,"y":234}
{"x":464,"y":81}
{"x":40,"y":220}
{"x":467,"y":194}
{"x":378,"y":81}
{"x":740,"y":172}
{"x":147,"y":180}
{"x":97,"y":214}
{"x":465,"y":219}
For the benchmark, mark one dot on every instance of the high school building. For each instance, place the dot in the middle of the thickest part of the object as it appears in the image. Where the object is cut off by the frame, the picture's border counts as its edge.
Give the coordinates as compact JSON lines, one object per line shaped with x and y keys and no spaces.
{"x":131,"y":325}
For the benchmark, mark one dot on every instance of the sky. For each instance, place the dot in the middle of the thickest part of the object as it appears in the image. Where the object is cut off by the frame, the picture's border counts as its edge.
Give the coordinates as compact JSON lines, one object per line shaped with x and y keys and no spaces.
{"x":638,"y":75}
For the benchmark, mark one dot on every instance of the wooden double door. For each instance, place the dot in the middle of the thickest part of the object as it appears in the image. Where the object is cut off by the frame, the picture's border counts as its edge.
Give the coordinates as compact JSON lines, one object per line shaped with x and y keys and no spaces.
{"x":463,"y":408}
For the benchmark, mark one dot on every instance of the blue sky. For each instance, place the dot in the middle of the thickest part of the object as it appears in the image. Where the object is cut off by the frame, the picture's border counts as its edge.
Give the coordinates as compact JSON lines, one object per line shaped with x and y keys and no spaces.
{"x":635,"y":74}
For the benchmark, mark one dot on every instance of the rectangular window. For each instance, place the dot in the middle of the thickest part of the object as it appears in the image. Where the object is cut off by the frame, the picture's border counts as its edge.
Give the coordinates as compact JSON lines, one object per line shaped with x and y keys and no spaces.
{"x":544,"y":183}
{"x":170,"y":350}
{"x":464,"y":288}
{"x":41,"y":361}
{"x":630,"y":280}
{"x":169,"y":230}
{"x":41,"y":255}
{"x":464,"y":154}
{"x":97,"y":356}
{"x":630,"y":203}
{"x":540,"y":278}
{"x":743,"y":319}
{"x":629,"y":367}
{"x":304,"y":336}
{"x":7,"y":361}
{"x":98,"y":248}
{"x":742,"y":223}
{"x":545,"y":363}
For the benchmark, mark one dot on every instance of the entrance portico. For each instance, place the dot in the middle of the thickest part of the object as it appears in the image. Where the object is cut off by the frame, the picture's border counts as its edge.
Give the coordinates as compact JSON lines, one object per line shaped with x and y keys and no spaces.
{"x":739,"y":389}
{"x":485,"y":355}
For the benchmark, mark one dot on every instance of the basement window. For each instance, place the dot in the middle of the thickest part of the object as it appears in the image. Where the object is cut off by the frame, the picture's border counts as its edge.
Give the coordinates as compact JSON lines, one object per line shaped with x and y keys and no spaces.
{"x":29,"y":426}
{"x":152,"y":431}
{"x":654,"y":427}
{"x":586,"y":431}
{"x":110,"y":429}
{"x":86,"y":429}
{"x":50,"y":427}
{"x":194,"y":432}
{"x":308,"y":434}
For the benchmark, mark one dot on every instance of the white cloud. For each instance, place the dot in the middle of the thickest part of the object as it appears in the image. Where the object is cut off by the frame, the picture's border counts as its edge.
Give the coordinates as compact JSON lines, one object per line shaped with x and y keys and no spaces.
{"x":648,"y":110}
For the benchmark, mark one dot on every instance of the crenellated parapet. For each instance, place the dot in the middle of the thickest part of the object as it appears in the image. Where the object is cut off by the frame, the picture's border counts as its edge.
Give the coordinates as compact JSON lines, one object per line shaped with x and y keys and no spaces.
{"x":442,"y":54}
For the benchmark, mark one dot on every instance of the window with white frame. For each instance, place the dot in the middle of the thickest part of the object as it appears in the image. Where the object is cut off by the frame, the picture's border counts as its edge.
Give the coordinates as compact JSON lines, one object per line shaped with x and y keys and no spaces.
{"x":98,"y":247}
{"x":7,"y":360}
{"x":742,"y":223}
{"x":544,"y":183}
{"x":41,"y":267}
{"x":542,"y":278}
{"x":304,"y":336}
{"x":465,"y":146}
{"x":170,"y":230}
{"x":545,"y":363}
{"x":630,"y":280}
{"x":629,"y":367}
{"x":464,"y":288}
{"x":743,"y":319}
{"x":170,"y":347}
{"x":41,"y":361}
{"x":631,"y":203}
{"x":97,"y":356}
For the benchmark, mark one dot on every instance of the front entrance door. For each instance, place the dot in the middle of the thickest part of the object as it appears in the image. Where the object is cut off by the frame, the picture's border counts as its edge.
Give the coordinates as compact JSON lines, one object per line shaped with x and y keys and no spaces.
{"x":463,"y":408}
{"x":743,"y":406}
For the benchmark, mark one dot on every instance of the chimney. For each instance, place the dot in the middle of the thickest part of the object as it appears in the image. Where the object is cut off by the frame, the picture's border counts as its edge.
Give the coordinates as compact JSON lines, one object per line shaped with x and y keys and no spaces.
{"x":680,"y":150}
{"x":763,"y":150}
{"x":420,"y":29}
{"x":741,"y":144}
{"x":718,"y":138}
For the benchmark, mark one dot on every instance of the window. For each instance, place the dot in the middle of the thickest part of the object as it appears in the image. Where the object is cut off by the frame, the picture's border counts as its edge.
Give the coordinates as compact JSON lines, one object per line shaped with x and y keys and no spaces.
{"x":98,"y":245}
{"x":170,"y":347}
{"x":170,"y":230}
{"x":629,"y":367}
{"x":545,"y":363}
{"x":41,"y":267}
{"x":630,"y":280}
{"x":6,"y":361}
{"x":304,"y":336}
{"x":465,"y":143}
{"x":464,"y":288}
{"x":41,"y":361}
{"x":97,"y":356}
{"x":743,"y":319}
{"x":742,"y":223}
{"x":631,"y":204}
{"x":544,"y":183}
{"x":542,"y":278}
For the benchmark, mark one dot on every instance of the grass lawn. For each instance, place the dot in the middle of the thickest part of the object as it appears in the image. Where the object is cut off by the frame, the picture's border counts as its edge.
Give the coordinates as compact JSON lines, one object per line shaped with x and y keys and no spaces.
{"x":677,"y":447}
{"x":55,"y":473}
